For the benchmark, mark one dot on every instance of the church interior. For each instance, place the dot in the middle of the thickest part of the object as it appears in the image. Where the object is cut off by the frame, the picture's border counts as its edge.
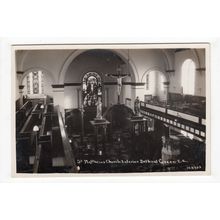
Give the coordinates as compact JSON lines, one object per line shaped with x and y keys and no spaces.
{"x":102,"y":110}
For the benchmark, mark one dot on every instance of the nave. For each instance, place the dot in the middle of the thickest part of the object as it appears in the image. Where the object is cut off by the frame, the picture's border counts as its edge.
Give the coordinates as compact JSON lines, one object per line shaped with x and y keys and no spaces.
{"x":47,"y":144}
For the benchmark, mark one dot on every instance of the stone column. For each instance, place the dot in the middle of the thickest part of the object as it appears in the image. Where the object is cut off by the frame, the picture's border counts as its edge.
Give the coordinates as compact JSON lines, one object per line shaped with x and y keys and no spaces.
{"x":166,"y":90}
{"x":21,"y":87}
{"x":106,"y":97}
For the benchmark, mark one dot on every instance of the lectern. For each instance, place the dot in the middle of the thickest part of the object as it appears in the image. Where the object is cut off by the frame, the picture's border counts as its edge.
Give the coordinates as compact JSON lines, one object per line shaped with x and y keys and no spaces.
{"x":138,"y":125}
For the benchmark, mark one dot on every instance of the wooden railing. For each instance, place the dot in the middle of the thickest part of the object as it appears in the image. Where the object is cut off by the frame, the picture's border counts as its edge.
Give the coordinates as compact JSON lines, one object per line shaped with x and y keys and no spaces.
{"x":187,"y":122}
{"x":37,"y":158}
{"x":69,"y":157}
{"x":43,"y":148}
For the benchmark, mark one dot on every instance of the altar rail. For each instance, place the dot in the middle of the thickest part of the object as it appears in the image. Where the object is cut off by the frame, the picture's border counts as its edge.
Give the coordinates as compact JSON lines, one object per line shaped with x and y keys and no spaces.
{"x":189,"y":123}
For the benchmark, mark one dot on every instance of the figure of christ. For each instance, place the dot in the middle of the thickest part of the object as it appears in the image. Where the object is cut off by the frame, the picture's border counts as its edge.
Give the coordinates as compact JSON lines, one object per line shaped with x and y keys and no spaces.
{"x":119,"y":78}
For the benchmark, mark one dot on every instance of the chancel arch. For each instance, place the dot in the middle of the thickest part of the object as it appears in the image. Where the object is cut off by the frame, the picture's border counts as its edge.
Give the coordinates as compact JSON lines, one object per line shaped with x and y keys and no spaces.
{"x":103,"y":62}
{"x":76,"y":53}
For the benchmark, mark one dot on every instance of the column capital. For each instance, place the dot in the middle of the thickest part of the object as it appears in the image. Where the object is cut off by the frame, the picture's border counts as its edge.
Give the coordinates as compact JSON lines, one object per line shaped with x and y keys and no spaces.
{"x":20,"y":72}
{"x":166,"y":83}
{"x":170,"y":71}
{"x":21,"y":87}
{"x":201,"y":69}
{"x":57,"y":86}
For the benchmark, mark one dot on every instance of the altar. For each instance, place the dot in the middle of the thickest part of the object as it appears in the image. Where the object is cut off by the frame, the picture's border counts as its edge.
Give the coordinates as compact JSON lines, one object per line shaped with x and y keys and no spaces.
{"x":100,"y":127}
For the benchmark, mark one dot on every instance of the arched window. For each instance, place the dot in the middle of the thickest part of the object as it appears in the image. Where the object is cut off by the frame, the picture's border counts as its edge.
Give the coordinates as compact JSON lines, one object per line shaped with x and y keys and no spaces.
{"x":35,"y":82}
{"x":91,"y":89}
{"x":188,"y":77}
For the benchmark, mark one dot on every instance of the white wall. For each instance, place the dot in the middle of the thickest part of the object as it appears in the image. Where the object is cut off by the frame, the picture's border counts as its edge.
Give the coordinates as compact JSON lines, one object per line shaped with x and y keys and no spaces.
{"x":50,"y":60}
{"x":71,"y":97}
{"x":175,"y":78}
{"x":155,"y":87}
{"x":143,"y":61}
{"x":146,"y":60}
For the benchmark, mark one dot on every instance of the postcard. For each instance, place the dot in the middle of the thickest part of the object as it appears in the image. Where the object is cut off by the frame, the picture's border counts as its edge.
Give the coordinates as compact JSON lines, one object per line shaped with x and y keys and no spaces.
{"x":124,"y":109}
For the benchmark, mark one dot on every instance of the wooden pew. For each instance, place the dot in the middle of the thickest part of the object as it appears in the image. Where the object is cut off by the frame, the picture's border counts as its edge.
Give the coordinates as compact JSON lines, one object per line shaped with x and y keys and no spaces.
{"x":49,"y":109}
{"x":37,"y":109}
{"x":52,"y":135}
{"x":26,"y":142}
{"x":22,"y":115}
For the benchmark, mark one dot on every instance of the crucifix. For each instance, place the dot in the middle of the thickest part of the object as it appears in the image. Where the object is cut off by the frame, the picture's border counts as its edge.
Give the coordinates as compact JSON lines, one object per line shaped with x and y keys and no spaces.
{"x":119,"y":76}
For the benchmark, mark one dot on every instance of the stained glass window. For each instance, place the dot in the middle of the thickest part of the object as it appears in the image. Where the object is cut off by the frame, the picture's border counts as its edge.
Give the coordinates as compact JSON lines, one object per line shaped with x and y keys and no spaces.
{"x":147,"y":82}
{"x":35,"y":82}
{"x":91,"y":89}
{"x":28,"y":84}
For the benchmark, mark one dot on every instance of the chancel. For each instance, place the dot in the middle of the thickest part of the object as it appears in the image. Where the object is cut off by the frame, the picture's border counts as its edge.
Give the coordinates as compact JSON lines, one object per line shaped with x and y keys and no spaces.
{"x":110,"y":110}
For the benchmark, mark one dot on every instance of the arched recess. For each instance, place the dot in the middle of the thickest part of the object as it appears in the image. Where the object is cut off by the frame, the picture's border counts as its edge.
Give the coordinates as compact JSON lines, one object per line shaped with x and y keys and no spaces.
{"x":48,"y":80}
{"x":74,"y":54}
{"x":48,"y":73}
{"x":156,"y":84}
{"x":155,"y":68}
{"x":161,"y":86}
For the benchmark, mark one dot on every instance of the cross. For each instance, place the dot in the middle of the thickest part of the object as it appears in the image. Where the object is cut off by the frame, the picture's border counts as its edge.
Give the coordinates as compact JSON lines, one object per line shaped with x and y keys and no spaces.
{"x":119,"y":76}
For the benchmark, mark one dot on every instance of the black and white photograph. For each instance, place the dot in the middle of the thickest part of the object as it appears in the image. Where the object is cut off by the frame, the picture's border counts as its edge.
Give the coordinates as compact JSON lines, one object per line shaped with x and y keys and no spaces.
{"x":111,"y":109}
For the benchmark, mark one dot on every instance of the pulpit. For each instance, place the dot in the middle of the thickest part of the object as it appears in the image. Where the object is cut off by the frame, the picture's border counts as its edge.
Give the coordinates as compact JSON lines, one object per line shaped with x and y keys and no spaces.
{"x":100,"y":127}
{"x":138,"y":125}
